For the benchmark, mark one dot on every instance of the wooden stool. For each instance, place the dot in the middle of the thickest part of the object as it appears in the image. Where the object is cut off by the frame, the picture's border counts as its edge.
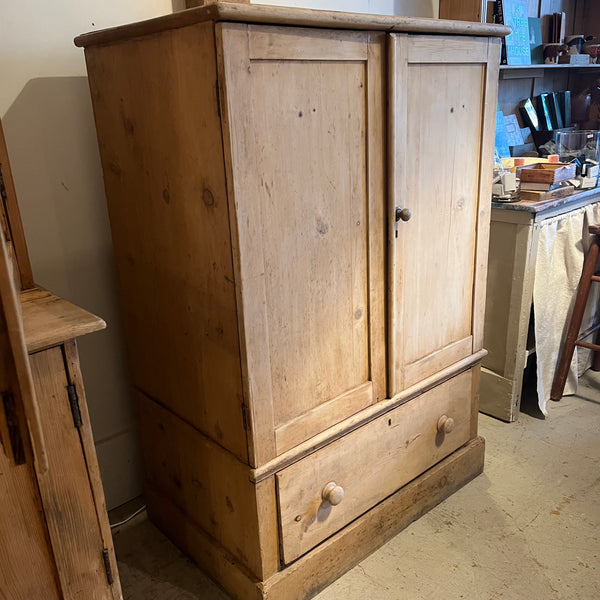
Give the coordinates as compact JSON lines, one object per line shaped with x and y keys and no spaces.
{"x":573,"y":337}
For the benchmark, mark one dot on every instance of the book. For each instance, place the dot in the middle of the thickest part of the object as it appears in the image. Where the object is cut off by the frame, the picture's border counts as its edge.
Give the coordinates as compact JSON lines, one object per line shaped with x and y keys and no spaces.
{"x":536,"y":48}
{"x":528,"y":114}
{"x":501,"y":139}
{"x":558,"y":24}
{"x":533,"y":196}
{"x":562,"y":27}
{"x":513,"y":131}
{"x":564,"y":103}
{"x":543,"y":112}
{"x":515,"y":45}
{"x":555,"y":114}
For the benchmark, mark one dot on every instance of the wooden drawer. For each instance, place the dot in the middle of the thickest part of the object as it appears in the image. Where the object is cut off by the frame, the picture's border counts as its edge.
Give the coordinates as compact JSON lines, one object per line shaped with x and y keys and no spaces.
{"x":369,"y":464}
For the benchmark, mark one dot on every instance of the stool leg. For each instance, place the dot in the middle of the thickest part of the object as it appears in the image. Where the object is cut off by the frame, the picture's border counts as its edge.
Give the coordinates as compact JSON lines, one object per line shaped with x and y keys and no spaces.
{"x":596,"y":356}
{"x":583,"y":291}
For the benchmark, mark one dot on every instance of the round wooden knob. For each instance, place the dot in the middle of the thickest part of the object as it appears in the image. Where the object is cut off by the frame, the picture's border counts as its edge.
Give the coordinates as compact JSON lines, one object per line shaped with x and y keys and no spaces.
{"x":445,"y":424}
{"x":333,"y":493}
{"x":403,"y":214}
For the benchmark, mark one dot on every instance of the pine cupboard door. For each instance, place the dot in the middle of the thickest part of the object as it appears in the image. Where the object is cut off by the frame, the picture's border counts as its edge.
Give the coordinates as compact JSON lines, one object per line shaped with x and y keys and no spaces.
{"x":302,"y":112}
{"x":442,"y":99}
{"x":27,"y":566}
{"x":71,"y":490}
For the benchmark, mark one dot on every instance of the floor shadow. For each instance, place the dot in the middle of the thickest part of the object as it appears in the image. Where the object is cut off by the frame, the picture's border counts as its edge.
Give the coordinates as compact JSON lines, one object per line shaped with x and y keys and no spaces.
{"x":529,"y":398}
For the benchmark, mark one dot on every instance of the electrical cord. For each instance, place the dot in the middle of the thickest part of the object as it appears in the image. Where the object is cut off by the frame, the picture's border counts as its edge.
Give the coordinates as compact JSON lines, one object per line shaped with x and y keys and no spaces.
{"x":135,"y":514}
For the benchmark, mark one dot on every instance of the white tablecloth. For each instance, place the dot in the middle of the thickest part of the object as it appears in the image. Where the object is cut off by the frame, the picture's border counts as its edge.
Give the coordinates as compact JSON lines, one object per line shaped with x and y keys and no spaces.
{"x":562,"y":243}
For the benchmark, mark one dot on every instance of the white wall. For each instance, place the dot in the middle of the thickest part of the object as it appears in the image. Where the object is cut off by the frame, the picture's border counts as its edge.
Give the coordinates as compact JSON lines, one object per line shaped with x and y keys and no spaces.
{"x":47,"y":117}
{"x":408,"y":8}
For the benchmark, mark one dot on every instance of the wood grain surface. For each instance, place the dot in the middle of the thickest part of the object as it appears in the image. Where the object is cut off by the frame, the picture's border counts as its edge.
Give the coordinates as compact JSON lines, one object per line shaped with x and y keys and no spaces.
{"x":49,"y":320}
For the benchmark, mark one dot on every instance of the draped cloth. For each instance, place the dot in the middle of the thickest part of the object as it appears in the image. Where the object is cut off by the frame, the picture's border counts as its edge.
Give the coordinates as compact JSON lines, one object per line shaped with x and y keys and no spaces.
{"x":563,"y":241}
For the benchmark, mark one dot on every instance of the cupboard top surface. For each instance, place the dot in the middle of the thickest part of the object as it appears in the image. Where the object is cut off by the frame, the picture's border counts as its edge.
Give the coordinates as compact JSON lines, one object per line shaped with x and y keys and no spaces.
{"x":227,"y":11}
{"x":49,"y":320}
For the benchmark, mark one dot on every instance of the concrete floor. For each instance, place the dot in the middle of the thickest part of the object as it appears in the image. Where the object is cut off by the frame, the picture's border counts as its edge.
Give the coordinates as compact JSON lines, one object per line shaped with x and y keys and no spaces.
{"x":527,"y":529}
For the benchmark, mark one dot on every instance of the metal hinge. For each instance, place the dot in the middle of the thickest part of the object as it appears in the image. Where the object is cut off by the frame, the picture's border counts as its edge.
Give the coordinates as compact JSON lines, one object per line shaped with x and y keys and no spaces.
{"x":107,"y":567}
{"x":74,"y":402}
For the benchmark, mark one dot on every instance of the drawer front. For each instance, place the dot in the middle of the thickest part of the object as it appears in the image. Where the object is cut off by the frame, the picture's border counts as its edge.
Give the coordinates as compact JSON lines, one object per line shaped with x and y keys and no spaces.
{"x":323,"y":492}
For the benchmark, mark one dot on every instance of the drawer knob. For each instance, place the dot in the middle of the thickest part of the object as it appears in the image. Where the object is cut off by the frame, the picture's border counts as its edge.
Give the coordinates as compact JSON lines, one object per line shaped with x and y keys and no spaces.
{"x":333,"y":493}
{"x":445,"y":424}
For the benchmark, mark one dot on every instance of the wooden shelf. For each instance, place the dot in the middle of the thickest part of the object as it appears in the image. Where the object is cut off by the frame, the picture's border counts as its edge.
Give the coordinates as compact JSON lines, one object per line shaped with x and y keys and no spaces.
{"x":49,"y":320}
{"x":548,"y":66}
{"x":524,"y":71}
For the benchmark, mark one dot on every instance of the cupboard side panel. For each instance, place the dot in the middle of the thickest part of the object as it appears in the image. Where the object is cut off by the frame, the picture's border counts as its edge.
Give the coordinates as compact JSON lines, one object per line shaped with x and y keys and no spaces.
{"x":485,"y":190}
{"x":157,"y":116}
{"x":210,"y":486}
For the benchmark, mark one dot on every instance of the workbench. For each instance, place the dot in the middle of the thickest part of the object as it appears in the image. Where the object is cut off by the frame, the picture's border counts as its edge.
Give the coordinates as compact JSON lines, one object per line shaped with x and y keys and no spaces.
{"x":509,"y":324}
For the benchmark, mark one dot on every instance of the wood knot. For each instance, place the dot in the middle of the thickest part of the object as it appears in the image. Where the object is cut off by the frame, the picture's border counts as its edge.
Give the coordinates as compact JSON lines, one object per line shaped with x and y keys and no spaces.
{"x":129,"y":126}
{"x":322,"y":227}
{"x":114,"y":168}
{"x":208,"y":198}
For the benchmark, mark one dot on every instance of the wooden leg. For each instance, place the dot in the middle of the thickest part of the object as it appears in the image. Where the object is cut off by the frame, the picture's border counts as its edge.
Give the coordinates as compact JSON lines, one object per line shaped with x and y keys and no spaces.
{"x":583,"y":291}
{"x":596,"y":357}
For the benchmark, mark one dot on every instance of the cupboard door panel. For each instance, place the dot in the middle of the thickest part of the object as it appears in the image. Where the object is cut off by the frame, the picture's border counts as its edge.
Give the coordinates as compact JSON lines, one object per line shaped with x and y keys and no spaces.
{"x":435,"y":159}
{"x":69,"y":505}
{"x":304,"y":108}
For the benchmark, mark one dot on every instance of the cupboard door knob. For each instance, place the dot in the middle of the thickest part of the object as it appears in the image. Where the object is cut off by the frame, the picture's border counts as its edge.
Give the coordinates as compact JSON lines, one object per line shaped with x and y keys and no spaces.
{"x":333,"y":493}
{"x":445,"y":424}
{"x":403,"y":214}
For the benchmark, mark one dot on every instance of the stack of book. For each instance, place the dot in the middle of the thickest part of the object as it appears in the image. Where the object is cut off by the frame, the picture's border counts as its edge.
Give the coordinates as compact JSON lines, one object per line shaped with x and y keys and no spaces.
{"x":552,"y":111}
{"x":515,"y":46}
{"x":546,"y":181}
{"x":558,"y":23}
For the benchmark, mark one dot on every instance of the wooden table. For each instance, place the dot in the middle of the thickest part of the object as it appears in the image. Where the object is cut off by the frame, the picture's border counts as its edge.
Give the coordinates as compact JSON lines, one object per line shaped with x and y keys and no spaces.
{"x":508,"y":334}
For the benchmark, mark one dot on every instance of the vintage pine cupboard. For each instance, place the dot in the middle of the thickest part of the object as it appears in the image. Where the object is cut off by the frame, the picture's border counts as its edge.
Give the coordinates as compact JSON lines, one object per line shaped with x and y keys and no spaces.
{"x":299,"y":203}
